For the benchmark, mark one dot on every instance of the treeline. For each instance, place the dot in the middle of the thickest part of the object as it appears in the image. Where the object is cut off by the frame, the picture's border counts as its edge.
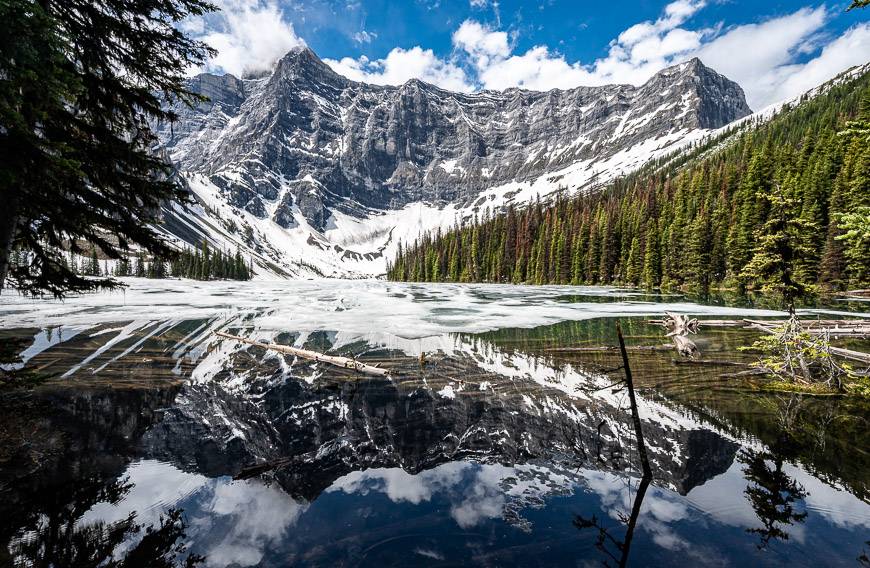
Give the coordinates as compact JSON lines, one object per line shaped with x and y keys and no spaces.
{"x":207,"y":264}
{"x":692,"y":223}
{"x":203,"y":263}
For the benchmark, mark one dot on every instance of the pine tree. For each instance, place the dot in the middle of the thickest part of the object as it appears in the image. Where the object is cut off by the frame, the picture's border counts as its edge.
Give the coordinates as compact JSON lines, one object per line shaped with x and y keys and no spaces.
{"x":652,"y":271}
{"x":205,"y":263}
{"x":94,"y":269}
{"x":781,"y":241}
{"x":123,"y":267}
{"x":634,"y":268}
{"x":139,"y":270}
{"x":82,"y":81}
{"x":855,"y":228}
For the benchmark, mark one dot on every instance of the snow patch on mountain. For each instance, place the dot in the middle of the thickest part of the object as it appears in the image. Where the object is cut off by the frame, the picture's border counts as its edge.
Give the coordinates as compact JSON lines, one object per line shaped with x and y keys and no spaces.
{"x":313,"y":174}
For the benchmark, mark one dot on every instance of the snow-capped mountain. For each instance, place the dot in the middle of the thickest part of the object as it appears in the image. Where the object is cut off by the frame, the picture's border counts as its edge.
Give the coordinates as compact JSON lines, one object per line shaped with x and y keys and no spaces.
{"x":318,"y":174}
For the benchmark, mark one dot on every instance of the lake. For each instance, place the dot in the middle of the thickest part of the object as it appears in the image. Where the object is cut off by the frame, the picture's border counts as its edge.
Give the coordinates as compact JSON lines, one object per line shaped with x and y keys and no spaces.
{"x":494,"y":441}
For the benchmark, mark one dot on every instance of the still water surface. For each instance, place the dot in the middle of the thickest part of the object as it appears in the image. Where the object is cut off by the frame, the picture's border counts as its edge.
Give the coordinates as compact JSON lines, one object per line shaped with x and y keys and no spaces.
{"x":505,"y":446}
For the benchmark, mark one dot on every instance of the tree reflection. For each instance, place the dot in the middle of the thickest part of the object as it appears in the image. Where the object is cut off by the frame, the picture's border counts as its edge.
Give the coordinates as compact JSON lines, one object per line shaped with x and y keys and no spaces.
{"x":13,"y":372}
{"x":772,"y":494}
{"x":57,"y":537}
{"x":605,"y":539}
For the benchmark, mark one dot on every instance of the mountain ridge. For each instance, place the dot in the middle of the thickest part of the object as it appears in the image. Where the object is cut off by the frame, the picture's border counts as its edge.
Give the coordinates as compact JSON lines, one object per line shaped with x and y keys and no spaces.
{"x":692,"y":221}
{"x":328,"y":160}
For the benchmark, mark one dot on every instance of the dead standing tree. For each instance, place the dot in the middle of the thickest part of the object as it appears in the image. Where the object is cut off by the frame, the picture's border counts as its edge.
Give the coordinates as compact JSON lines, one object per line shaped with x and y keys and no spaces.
{"x":604,"y":537}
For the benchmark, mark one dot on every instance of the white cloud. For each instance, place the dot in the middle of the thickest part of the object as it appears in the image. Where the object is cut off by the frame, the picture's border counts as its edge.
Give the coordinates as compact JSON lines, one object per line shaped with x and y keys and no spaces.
{"x":767,"y":70}
{"x":760,"y":56}
{"x":250,"y":36}
{"x":363,"y":36}
{"x":675,"y":14}
{"x":482,"y":44}
{"x":763,"y":56}
{"x":400,"y":65}
{"x":634,"y":56}
{"x":850,"y":49}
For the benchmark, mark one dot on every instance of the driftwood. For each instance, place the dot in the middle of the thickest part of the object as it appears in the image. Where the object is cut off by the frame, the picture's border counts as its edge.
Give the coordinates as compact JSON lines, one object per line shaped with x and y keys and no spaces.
{"x":343,"y":362}
{"x":679,"y":327}
{"x":842,"y":327}
{"x":837,"y":328}
{"x":716,"y":362}
{"x":679,"y":324}
{"x":685,"y":346}
{"x":635,"y":415}
{"x":746,"y":373}
{"x":601,"y":348}
{"x":707,"y":323}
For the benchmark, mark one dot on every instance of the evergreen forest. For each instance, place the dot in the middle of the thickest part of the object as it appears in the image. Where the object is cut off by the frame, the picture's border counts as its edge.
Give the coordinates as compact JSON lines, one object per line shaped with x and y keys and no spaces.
{"x":701,"y":220}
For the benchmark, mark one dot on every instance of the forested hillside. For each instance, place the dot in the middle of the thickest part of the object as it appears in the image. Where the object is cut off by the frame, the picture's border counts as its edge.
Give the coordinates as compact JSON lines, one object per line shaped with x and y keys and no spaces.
{"x":691,"y":223}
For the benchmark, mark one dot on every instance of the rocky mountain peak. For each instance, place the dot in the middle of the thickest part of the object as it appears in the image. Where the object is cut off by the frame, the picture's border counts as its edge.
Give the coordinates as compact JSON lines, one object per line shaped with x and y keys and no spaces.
{"x":302,"y":63}
{"x":303,"y":147}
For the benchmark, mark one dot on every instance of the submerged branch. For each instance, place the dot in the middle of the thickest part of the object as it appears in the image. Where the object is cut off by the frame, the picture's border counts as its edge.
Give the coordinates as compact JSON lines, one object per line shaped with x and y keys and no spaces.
{"x":343,"y":362}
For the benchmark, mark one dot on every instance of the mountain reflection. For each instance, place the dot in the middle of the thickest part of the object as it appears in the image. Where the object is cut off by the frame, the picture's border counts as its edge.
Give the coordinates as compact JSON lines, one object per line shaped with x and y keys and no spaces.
{"x":487,"y":447}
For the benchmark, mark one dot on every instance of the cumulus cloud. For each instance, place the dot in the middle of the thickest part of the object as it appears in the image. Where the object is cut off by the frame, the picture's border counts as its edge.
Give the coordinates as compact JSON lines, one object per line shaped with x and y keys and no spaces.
{"x":485,"y":46}
{"x":772,"y":59}
{"x":635,"y":55}
{"x":767,"y":71}
{"x":400,"y":65}
{"x":249,"y":35}
{"x":762,"y":56}
{"x":848,"y":50}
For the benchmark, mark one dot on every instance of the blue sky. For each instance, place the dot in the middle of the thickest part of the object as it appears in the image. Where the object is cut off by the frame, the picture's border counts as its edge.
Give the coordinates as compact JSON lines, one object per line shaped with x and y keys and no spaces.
{"x":775,"y":50}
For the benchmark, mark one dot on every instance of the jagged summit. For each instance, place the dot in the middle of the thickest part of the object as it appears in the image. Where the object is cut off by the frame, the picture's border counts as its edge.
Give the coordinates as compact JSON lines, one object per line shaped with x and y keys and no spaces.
{"x":307,"y":151}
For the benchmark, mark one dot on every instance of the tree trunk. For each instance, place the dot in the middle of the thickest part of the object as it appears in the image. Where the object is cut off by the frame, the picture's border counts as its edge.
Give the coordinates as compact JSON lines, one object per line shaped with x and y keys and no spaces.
{"x":9,"y":219}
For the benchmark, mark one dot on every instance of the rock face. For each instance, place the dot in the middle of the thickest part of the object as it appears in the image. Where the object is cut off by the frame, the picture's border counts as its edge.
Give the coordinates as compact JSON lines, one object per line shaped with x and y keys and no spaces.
{"x":303,"y":142}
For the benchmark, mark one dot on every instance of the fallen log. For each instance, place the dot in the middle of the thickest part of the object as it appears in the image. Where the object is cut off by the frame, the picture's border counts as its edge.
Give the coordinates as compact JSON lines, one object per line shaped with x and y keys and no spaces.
{"x":835,"y":331}
{"x":602,"y":348}
{"x":343,"y":362}
{"x":833,"y":326}
{"x":705,"y":323}
{"x":716,"y":362}
{"x":746,"y":373}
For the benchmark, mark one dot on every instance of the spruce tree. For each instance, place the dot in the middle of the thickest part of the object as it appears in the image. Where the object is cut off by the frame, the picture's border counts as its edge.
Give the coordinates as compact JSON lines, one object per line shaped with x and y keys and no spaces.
{"x":855,"y":228}
{"x":82,"y":82}
{"x":95,"y":264}
{"x":781,"y":241}
{"x":651,"y":260}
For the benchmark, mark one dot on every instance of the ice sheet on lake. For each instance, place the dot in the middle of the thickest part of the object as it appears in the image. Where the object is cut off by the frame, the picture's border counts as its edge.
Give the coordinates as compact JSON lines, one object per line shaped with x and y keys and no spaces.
{"x":402,"y":311}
